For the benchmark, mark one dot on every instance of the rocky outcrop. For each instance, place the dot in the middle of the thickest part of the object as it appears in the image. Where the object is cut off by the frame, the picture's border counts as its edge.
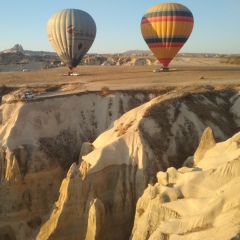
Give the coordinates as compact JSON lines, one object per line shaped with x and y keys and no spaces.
{"x":27,"y":194}
{"x":14,"y":49}
{"x":194,"y":203}
{"x":89,"y":210}
{"x":123,"y":160}
{"x":207,"y":142}
{"x":122,"y":152}
{"x":116,"y":60}
{"x":40,"y":140}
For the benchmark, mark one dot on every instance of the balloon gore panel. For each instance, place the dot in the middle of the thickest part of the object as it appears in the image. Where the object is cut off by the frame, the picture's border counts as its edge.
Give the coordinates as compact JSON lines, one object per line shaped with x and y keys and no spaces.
{"x":71,"y":33}
{"x":165,"y":28}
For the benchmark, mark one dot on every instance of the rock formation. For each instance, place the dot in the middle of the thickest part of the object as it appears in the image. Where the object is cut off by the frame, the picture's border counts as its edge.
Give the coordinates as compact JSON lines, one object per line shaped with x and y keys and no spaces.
{"x":14,"y":49}
{"x":39,"y":141}
{"x":102,"y":152}
{"x":194,"y":203}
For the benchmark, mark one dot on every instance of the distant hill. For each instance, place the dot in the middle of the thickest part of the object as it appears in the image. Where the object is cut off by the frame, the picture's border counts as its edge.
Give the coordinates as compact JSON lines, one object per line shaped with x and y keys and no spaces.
{"x":137,"y":52}
{"x":18,"y":48}
{"x":17,"y":54}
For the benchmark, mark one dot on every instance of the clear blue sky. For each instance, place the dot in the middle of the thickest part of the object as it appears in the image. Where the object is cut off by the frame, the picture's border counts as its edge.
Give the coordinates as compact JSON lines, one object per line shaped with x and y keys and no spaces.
{"x":216,"y":24}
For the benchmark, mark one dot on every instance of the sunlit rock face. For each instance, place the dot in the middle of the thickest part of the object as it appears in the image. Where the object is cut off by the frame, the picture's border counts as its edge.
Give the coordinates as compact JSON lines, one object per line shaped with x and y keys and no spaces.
{"x":201,"y":202}
{"x":39,"y":141}
{"x":74,"y":167}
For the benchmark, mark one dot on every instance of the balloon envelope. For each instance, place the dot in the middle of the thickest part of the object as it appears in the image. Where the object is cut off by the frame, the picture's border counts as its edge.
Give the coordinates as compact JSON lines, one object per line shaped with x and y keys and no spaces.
{"x":71,"y":33}
{"x":165,"y":29}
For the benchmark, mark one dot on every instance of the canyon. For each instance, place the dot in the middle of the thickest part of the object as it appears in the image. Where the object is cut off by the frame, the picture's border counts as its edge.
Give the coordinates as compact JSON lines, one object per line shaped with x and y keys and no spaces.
{"x":95,"y":165}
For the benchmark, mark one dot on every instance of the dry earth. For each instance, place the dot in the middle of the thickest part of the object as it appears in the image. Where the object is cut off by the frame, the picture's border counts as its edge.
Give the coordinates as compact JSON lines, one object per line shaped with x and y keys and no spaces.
{"x":183,"y":71}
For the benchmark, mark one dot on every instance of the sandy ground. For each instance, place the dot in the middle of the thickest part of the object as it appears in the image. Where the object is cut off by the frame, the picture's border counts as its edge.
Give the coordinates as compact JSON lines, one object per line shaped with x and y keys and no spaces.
{"x":183,"y":71}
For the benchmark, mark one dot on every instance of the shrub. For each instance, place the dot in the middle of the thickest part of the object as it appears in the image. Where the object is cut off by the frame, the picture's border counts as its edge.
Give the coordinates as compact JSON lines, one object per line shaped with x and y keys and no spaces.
{"x":105,"y":91}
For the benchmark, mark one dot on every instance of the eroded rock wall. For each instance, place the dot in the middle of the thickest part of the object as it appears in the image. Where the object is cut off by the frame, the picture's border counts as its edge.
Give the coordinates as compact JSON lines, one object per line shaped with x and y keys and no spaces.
{"x":99,"y":207}
{"x":41,"y":139}
{"x":26,"y":196}
{"x":194,"y":203}
{"x":123,"y":160}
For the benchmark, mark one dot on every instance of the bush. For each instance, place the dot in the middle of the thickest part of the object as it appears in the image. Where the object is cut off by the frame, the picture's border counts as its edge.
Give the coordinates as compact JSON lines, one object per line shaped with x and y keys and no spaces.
{"x":3,"y":88}
{"x":105,"y":91}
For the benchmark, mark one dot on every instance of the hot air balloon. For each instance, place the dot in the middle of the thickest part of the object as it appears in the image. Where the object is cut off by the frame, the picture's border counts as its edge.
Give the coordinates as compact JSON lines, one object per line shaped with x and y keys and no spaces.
{"x":71,"y":33}
{"x":165,"y":28}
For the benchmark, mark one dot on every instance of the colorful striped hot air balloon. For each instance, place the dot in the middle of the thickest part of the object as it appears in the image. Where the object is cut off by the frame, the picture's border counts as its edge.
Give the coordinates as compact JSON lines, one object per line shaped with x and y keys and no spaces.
{"x":71,"y":33}
{"x":165,"y":28}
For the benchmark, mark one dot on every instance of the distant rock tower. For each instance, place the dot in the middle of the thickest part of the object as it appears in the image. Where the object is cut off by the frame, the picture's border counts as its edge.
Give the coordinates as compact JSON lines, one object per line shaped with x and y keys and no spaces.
{"x":17,"y":48}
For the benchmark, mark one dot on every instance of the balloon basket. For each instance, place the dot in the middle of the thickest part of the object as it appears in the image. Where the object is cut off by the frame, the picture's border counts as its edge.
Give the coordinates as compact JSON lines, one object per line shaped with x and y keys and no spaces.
{"x":165,"y":69}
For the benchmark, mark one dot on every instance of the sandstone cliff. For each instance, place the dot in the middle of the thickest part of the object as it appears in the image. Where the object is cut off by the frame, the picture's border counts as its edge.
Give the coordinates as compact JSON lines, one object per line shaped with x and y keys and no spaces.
{"x":202,"y":202}
{"x":41,"y":139}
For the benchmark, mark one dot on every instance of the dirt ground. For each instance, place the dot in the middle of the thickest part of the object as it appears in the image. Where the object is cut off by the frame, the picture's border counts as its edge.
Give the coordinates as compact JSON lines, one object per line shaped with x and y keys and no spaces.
{"x":182,"y":72}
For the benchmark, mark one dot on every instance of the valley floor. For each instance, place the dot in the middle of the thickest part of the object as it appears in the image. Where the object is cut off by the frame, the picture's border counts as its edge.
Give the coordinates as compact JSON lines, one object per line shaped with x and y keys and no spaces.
{"x":187,"y":71}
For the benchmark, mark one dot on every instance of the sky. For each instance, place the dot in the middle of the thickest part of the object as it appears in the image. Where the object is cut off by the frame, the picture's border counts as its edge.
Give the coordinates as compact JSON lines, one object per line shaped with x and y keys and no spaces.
{"x":216,"y":24}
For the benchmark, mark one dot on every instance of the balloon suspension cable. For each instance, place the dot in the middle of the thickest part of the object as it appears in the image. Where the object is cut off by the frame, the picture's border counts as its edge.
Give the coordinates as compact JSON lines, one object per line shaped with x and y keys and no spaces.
{"x":70,"y":72}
